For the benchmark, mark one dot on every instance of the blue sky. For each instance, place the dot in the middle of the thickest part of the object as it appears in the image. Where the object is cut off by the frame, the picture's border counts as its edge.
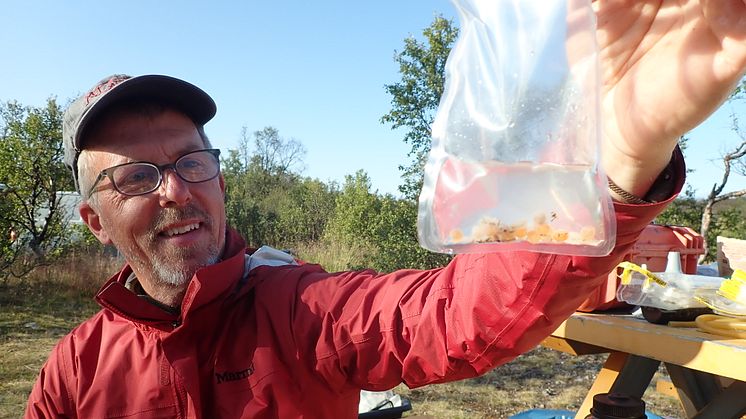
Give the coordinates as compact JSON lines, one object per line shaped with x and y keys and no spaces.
{"x":314,"y":70}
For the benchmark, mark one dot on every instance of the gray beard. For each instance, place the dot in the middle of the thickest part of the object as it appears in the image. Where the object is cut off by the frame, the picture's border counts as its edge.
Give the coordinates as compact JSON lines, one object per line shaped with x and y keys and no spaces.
{"x":173,"y":269}
{"x":170,"y":274}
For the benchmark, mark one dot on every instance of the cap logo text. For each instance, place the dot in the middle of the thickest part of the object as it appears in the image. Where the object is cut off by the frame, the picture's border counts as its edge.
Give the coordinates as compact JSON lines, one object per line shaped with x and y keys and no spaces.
{"x":104,"y":87}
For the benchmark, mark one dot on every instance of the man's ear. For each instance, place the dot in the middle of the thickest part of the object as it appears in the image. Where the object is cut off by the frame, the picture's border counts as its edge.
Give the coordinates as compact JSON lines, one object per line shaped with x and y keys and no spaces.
{"x":92,"y":220}
{"x":222,"y":184}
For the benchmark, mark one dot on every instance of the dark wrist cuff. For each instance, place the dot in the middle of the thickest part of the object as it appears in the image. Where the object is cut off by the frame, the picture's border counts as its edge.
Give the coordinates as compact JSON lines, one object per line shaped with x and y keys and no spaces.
{"x":660,"y":190}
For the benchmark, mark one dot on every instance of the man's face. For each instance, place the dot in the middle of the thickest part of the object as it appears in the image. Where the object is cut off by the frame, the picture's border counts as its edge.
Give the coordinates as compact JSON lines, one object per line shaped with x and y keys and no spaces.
{"x":167,"y":234}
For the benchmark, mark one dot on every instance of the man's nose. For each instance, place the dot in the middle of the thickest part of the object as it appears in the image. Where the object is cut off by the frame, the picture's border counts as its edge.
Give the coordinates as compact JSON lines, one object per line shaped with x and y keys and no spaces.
{"x":174,"y":191}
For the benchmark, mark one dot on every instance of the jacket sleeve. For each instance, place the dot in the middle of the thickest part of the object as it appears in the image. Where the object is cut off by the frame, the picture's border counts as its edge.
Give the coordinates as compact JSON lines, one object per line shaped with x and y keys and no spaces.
{"x":50,"y":397}
{"x":373,"y":331}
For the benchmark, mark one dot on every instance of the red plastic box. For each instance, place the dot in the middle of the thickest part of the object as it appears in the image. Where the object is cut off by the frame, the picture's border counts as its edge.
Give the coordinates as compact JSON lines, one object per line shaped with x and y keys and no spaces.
{"x":652,"y":250}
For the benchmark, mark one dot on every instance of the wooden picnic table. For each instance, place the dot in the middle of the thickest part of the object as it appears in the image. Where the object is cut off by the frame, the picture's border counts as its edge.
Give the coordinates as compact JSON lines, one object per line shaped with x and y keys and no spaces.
{"x":708,"y":371}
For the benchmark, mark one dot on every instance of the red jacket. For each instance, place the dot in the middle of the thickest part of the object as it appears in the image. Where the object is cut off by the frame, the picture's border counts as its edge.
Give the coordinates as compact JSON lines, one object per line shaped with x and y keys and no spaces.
{"x":296,"y":341}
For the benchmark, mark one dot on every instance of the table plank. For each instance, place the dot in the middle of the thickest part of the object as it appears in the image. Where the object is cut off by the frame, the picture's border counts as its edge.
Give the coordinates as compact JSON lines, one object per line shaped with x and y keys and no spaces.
{"x":603,"y":382}
{"x":572,"y":347}
{"x":680,"y":346}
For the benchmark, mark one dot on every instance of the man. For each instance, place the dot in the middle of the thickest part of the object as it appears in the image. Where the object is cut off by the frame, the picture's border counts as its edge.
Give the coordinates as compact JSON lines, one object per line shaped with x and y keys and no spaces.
{"x":197,"y":326}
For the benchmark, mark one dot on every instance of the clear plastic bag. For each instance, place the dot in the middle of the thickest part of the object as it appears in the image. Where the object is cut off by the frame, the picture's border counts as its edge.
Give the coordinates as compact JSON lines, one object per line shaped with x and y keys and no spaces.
{"x":515,"y":141}
{"x":663,"y":290}
{"x":729,"y":299}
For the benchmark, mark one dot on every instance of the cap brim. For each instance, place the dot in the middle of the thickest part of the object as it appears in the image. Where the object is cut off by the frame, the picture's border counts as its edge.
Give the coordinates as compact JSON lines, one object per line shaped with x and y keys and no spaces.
{"x":188,"y":98}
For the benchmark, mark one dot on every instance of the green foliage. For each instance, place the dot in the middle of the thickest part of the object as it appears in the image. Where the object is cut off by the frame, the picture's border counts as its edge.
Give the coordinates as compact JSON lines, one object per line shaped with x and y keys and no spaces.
{"x":304,"y":210}
{"x":352,"y":224}
{"x":347,"y":228}
{"x":730,"y":222}
{"x":415,"y":98}
{"x":684,"y":211}
{"x":32,"y":173}
{"x":356,"y":208}
{"x":83,"y":239}
{"x":382,"y":227}
{"x":396,"y":230}
{"x":266,"y":201}
{"x":729,"y":219}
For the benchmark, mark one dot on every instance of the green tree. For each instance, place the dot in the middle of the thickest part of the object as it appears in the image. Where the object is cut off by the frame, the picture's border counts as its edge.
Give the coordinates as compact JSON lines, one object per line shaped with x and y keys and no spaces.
{"x":251,"y":177}
{"x":726,"y":220}
{"x":396,"y":233}
{"x":267,"y":200}
{"x":734,"y":162}
{"x":276,"y":155}
{"x":380,"y":230}
{"x":712,"y":216}
{"x":353,"y":221}
{"x":415,"y":98}
{"x":684,"y":211}
{"x":304,"y":209}
{"x":32,"y":173}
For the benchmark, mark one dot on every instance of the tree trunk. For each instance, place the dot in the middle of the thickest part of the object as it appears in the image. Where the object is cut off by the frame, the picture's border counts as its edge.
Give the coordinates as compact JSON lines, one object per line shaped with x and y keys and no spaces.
{"x":706,"y":220}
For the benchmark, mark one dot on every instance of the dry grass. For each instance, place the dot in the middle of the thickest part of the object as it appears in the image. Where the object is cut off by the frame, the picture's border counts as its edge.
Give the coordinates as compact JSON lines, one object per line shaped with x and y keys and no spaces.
{"x":540,"y":379}
{"x":333,"y":255}
{"x":36,"y":312}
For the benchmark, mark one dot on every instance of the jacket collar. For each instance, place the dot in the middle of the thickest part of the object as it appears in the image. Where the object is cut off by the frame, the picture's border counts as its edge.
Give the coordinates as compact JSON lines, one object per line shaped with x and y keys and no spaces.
{"x":208,"y":284}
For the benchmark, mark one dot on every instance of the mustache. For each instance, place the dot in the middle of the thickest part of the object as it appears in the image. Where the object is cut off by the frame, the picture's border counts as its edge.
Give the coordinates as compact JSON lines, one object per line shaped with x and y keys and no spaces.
{"x":168,"y":216}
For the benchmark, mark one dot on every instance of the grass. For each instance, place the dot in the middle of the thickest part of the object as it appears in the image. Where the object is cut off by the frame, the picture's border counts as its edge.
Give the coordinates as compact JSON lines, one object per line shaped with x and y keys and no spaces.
{"x":34,"y":314}
{"x":333,"y":255}
{"x":539,"y":379}
{"x":37,"y":311}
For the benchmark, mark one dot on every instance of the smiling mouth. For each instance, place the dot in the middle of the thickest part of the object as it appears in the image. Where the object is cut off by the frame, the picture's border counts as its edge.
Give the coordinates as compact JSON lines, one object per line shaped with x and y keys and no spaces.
{"x":180,"y":230}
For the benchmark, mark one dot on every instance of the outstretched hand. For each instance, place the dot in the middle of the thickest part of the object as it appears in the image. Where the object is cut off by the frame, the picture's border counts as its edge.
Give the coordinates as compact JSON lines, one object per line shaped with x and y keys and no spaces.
{"x":667,"y":65}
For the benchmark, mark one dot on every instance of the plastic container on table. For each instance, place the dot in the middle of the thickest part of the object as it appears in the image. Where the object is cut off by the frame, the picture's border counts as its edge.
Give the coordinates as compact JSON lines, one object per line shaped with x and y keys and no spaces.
{"x":651,"y":249}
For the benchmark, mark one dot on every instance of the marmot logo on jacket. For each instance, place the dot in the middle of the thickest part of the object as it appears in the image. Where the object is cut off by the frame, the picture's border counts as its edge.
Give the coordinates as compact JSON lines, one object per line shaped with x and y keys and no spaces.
{"x":234,"y":375}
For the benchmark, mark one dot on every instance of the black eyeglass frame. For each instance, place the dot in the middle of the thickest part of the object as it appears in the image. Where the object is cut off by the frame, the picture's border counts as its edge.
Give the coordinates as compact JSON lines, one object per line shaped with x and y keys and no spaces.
{"x":108,"y":172}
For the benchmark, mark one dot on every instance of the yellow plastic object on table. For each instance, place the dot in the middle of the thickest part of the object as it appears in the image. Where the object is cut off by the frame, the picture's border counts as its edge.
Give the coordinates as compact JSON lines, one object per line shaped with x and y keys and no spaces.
{"x":628,"y":268}
{"x":722,"y":325}
{"x":730,"y":298}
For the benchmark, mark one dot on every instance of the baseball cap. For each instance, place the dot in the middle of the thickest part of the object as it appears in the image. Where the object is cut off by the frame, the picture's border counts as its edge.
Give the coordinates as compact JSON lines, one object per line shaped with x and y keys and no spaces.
{"x":186,"y":97}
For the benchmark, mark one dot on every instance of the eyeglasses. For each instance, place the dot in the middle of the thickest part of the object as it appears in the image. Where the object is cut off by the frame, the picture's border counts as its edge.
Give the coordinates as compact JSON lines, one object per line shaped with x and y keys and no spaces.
{"x":139,"y":178}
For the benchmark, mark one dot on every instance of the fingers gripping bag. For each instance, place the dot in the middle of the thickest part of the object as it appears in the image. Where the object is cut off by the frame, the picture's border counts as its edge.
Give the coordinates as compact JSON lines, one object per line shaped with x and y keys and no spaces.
{"x":514,"y":163}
